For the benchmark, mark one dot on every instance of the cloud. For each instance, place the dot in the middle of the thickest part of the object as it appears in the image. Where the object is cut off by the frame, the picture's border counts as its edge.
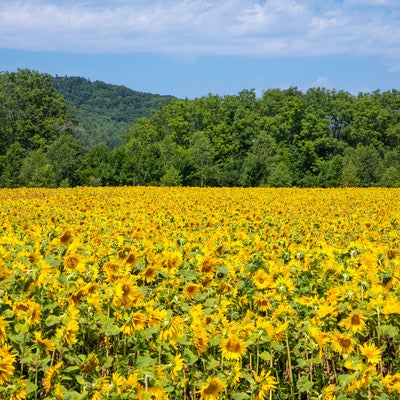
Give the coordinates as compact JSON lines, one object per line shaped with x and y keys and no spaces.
{"x":203,"y":27}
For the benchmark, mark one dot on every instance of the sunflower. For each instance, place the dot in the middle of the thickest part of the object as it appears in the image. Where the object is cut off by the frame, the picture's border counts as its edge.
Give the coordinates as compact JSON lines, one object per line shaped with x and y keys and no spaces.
{"x":47,"y":344}
{"x":178,"y":366}
{"x":191,"y":290}
{"x":371,"y":352}
{"x":266,"y":384}
{"x":262,"y":302}
{"x":342,"y":343}
{"x":150,"y":273}
{"x":50,"y":373}
{"x":233,"y":348}
{"x":28,"y":311}
{"x":200,"y":339}
{"x":3,"y":334}
{"x":18,"y":390}
{"x":136,"y":322}
{"x":6,"y":364}
{"x":211,"y":389}
{"x":262,"y":280}
{"x":355,"y":322}
{"x":127,"y":294}
{"x":328,"y":392}
{"x":392,"y":382}
{"x":172,"y":330}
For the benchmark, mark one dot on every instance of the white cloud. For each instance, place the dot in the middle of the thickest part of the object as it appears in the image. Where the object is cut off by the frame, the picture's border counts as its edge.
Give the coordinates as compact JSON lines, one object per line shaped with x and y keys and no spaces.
{"x":192,"y":28}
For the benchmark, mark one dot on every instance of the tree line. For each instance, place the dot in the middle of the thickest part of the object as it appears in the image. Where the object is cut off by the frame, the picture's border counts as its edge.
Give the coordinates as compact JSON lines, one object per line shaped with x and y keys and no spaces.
{"x":320,"y":138}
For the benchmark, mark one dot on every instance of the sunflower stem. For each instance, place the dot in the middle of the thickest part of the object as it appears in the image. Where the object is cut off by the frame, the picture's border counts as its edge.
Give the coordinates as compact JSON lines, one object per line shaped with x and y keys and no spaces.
{"x":289,"y":360}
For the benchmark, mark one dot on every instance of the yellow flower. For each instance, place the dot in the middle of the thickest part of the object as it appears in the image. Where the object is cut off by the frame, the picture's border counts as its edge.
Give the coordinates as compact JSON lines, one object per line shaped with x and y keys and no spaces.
{"x":191,"y":290}
{"x":173,"y":330}
{"x":6,"y":364}
{"x":327,"y":393}
{"x":238,"y":373}
{"x":211,"y":389}
{"x":371,"y":352}
{"x":150,"y":273}
{"x":342,"y":343}
{"x":355,"y":322}
{"x":266,"y":384}
{"x":47,"y":344}
{"x":119,"y":382}
{"x":28,"y":311}
{"x":48,"y":377}
{"x":137,"y":321}
{"x":178,"y":366}
{"x":262,"y":280}
{"x":262,"y":302}
{"x":200,"y":339}
{"x":19,"y":390}
{"x":3,"y":334}
{"x":127,"y":294}
{"x":233,"y":348}
{"x":392,"y":382}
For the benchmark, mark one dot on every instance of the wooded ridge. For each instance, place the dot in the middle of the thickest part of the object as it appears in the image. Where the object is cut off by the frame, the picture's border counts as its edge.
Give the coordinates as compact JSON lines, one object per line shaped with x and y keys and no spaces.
{"x":69,"y":131}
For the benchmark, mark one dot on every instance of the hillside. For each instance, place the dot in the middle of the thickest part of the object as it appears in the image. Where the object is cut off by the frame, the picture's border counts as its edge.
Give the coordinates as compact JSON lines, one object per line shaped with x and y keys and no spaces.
{"x":104,"y":111}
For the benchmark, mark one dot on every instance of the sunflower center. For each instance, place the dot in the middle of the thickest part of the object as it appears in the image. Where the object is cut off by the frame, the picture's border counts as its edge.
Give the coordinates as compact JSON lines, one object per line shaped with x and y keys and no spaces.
{"x":212,"y":388}
{"x":345,"y":342}
{"x":233,"y":346}
{"x":355,"y":320}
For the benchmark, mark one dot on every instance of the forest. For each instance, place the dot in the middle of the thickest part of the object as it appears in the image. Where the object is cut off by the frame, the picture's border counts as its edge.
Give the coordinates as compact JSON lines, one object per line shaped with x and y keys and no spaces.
{"x":73,"y":132}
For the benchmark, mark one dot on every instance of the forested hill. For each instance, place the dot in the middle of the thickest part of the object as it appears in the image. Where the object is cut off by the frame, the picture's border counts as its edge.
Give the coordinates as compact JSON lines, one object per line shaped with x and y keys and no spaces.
{"x":321,"y":137}
{"x":104,"y":111}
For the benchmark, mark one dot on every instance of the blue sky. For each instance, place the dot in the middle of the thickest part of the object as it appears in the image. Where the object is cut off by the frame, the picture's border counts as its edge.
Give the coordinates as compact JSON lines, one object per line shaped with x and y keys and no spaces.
{"x":190,"y":48}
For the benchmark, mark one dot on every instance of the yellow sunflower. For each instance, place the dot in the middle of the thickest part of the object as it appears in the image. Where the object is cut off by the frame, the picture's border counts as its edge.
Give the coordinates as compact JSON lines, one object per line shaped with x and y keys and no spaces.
{"x":233,"y":348}
{"x":47,"y":344}
{"x":200,"y":339}
{"x":191,"y":290}
{"x":342,"y":343}
{"x":371,"y":352}
{"x":212,"y":389}
{"x":3,"y":334}
{"x":392,"y":382}
{"x":6,"y":364}
{"x":262,"y":280}
{"x":355,"y":322}
{"x":266,"y":384}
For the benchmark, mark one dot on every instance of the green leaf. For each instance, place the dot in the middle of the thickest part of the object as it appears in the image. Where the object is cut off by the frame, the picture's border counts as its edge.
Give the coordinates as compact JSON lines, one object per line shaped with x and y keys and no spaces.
{"x":387,"y":330}
{"x":145,"y":361}
{"x":80,"y":379}
{"x":111,"y":330}
{"x":304,"y":384}
{"x":266,"y":356}
{"x":240,"y":396}
{"x":52,"y":320}
{"x":189,"y":355}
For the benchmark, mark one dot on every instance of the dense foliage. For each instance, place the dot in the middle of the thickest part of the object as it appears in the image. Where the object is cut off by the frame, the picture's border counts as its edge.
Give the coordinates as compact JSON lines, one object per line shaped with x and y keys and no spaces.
{"x":285,"y":138}
{"x":40,"y":142}
{"x":323,"y":138}
{"x":105,"y":111}
{"x":199,"y":294}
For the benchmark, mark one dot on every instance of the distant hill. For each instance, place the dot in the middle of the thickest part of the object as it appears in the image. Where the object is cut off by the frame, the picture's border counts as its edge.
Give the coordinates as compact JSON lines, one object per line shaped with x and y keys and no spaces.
{"x":105,"y":111}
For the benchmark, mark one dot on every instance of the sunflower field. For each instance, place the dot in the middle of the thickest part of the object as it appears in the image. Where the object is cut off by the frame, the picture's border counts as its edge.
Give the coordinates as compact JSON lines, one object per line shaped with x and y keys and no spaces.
{"x":199,"y":293}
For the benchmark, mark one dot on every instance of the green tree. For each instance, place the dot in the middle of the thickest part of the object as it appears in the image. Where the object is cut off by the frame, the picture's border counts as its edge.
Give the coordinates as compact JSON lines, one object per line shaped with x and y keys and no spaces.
{"x":65,"y":155}
{"x":171,"y":177}
{"x":202,"y":157}
{"x":390,"y":177}
{"x":36,"y":170}
{"x":32,"y":112}
{"x":349,"y":177}
{"x":11,"y":164}
{"x":281,"y":176}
